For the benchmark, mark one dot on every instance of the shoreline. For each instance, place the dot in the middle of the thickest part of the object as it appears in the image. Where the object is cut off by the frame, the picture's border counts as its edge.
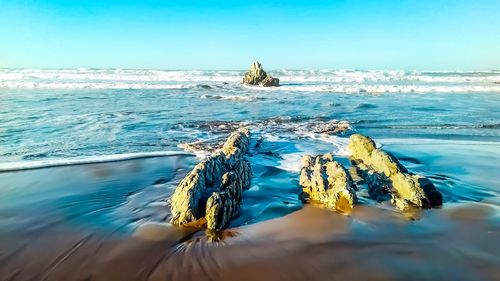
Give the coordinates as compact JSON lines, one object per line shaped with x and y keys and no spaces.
{"x":75,"y":161}
{"x":458,"y":239}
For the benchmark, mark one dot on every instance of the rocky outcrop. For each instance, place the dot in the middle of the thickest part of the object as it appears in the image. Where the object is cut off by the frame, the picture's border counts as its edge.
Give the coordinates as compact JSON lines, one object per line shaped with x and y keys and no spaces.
{"x":332,"y":127}
{"x":325,"y":180}
{"x":384,"y":176}
{"x":212,"y":191}
{"x":257,"y":76}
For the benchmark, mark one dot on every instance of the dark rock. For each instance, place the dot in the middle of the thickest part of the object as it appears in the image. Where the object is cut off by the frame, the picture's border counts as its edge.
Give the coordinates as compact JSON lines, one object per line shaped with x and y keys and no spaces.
{"x":270,"y":82}
{"x":270,"y":153}
{"x":379,"y":186}
{"x":160,"y":181}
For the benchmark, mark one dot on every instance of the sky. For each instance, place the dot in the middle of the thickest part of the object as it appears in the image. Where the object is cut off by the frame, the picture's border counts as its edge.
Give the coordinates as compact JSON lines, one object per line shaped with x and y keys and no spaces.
{"x":335,"y":34}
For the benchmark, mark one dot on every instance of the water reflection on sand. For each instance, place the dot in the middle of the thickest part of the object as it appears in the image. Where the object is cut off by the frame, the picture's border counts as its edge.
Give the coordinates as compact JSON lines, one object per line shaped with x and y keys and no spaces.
{"x":107,"y":222}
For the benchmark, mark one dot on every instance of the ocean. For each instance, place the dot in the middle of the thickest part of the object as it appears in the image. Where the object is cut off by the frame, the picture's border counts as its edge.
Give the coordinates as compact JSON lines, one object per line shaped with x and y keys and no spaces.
{"x":101,"y":150}
{"x":65,"y":114}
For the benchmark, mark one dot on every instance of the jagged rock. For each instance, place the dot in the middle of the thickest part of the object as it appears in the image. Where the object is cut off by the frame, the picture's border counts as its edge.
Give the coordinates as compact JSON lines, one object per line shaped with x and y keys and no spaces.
{"x":332,"y":127}
{"x":378,"y":184}
{"x":325,"y":180}
{"x":257,"y":76}
{"x":270,"y":81}
{"x":385,"y":175}
{"x":212,"y":190}
{"x":224,"y":205}
{"x":361,"y":147}
{"x":202,"y":147}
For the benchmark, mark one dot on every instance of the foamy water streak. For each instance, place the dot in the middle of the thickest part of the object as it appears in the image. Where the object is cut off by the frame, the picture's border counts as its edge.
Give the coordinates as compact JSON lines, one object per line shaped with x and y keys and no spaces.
{"x":38,"y":164}
{"x":360,"y":88}
{"x":343,"y":81}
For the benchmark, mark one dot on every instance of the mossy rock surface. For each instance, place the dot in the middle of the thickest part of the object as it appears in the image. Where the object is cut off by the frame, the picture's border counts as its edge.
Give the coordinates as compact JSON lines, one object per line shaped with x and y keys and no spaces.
{"x":257,"y":76}
{"x":212,"y":191}
{"x":325,"y":180}
{"x":384,"y":174}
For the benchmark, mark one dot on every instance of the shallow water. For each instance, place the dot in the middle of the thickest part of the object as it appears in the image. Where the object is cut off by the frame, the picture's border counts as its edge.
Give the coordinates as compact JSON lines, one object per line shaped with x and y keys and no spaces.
{"x":112,"y":141}
{"x":42,"y":121}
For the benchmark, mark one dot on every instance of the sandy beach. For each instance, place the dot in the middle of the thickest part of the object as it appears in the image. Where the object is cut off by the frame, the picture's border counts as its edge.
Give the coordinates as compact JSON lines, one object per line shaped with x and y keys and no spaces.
{"x":312,"y":243}
{"x":106,"y":221}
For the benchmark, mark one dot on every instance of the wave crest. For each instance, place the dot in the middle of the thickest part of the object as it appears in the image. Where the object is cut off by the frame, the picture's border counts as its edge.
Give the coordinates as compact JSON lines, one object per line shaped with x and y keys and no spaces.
{"x":343,"y":81}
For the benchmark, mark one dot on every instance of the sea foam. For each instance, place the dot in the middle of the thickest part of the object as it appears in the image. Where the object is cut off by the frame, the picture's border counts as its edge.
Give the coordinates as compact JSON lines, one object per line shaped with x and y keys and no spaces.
{"x":38,"y":164}
{"x":343,"y":81}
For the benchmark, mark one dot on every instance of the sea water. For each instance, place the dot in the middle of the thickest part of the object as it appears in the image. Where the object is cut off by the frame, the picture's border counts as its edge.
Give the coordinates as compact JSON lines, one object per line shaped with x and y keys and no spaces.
{"x":444,"y":125}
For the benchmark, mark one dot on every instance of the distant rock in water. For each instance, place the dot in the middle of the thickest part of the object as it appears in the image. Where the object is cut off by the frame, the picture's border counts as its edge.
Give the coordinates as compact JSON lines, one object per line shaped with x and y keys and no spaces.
{"x":384,"y":175}
{"x":211,"y":193}
{"x":257,"y":76}
{"x":332,"y":127}
{"x":325,"y":180}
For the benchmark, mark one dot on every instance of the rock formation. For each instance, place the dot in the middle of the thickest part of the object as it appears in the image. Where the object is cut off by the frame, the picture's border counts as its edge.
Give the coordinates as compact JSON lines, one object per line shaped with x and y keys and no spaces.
{"x":257,"y":76}
{"x":212,"y":191}
{"x":325,"y":180}
{"x":332,"y":127}
{"x":385,"y":175}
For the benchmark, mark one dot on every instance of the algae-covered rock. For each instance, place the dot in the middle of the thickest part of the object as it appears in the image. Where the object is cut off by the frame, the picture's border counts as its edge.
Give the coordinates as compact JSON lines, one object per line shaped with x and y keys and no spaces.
{"x":220,"y":209}
{"x":224,"y":205}
{"x":212,"y":190}
{"x":361,"y":147}
{"x":325,"y":180}
{"x":257,"y":76}
{"x":385,"y":163}
{"x":408,"y":190}
{"x":385,"y":175}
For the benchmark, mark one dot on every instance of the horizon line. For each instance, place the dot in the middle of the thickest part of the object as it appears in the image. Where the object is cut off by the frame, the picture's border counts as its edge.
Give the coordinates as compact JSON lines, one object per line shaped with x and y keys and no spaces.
{"x":268,"y":69}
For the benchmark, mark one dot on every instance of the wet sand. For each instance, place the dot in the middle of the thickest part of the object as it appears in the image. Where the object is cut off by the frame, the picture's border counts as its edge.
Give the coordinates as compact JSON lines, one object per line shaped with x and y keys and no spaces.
{"x":106,"y":222}
{"x":309,"y":244}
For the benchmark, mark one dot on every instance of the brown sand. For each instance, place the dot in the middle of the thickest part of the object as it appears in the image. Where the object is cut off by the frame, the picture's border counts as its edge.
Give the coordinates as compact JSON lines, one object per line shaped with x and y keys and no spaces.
{"x":310,"y":244}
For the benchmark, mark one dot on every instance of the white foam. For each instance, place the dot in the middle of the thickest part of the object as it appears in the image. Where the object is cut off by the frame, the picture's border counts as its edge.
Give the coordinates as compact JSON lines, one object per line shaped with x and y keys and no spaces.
{"x":423,"y":141}
{"x":291,"y":162}
{"x":106,"y":75}
{"x":232,"y":97}
{"x":199,"y":153}
{"x":90,"y":85}
{"x":377,"y":89}
{"x":339,"y":143}
{"x":343,"y":81}
{"x":38,"y":164}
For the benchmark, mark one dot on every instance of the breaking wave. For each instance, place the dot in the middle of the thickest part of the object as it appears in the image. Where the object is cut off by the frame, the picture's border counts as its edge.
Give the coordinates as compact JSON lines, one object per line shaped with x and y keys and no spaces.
{"x":321,"y":129}
{"x":443,"y":126}
{"x":232,"y":97}
{"x":343,"y":81}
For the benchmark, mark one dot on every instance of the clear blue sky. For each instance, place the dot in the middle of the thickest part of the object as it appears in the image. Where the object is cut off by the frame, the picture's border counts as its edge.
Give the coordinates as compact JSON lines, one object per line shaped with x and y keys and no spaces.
{"x":398,"y":34}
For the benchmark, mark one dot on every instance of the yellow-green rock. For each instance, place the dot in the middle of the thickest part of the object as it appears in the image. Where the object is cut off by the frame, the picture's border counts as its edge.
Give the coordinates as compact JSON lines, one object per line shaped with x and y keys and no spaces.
{"x":384,"y":174}
{"x":257,"y":76}
{"x":361,"y":147}
{"x":213,"y":189}
{"x":324,"y":180}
